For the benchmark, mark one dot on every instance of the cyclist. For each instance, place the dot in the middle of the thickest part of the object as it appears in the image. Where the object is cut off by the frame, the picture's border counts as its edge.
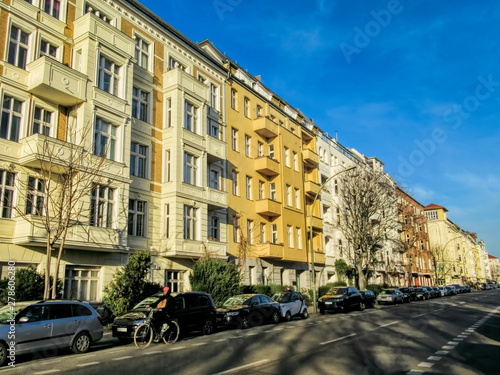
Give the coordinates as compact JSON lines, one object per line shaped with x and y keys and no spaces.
{"x":164,"y":304}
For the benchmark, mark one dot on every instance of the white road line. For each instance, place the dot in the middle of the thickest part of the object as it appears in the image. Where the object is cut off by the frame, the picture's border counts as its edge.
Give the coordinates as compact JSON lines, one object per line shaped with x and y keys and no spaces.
{"x":448,"y":347}
{"x":414,"y":372}
{"x":389,"y":324}
{"x":120,"y":358}
{"x":88,"y":364}
{"x":154,"y":352}
{"x":418,"y":316}
{"x":425,"y":364}
{"x":236,"y":369}
{"x":46,"y":372}
{"x":442,"y":352}
{"x":434,"y":358}
{"x":338,"y":339}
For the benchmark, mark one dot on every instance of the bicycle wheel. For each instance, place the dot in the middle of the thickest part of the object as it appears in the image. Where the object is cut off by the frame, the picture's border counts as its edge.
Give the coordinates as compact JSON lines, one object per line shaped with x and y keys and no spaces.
{"x":172,"y":333}
{"x":143,"y":335}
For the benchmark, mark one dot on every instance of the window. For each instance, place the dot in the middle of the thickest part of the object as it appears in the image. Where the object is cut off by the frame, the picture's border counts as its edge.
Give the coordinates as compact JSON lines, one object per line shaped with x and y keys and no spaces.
{"x":234,"y":139}
{"x":168,"y":111}
{"x":258,"y":111}
{"x":167,"y":220}
{"x":173,"y":64}
{"x":249,"y":187}
{"x":295,"y":161}
{"x":234,"y":98}
{"x":297,"y":198}
{"x":142,"y":52}
{"x":272,"y":191}
{"x":431,"y":215}
{"x":190,"y":220}
{"x":136,"y":217}
{"x":35,"y":196}
{"x":109,"y":76}
{"x":214,"y":95}
{"x":251,"y":275}
{"x":289,"y":231}
{"x":236,"y":229}
{"x":248,"y":141}
{"x":250,"y":231}
{"x":271,"y":151}
{"x":11,"y":118}
{"x":191,"y":117}
{"x":175,"y":280}
{"x":246,"y":107}
{"x":262,"y":238}
{"x":53,"y":7}
{"x":6,"y":193}
{"x":214,"y":129}
{"x":260,"y":149}
{"x":18,"y":47}
{"x":168,"y":167}
{"x":288,"y":195}
{"x":138,"y":160}
{"x":104,"y":139}
{"x":81,"y":283}
{"x":234,"y":177}
{"x":42,"y":121}
{"x":298,"y":236}
{"x":287,"y":156}
{"x":214,"y":228}
{"x":274,"y":233}
{"x":261,"y":190}
{"x":140,"y":104}
{"x":102,"y":206}
{"x":190,"y":168}
{"x":47,"y":49}
{"x":214,"y":179}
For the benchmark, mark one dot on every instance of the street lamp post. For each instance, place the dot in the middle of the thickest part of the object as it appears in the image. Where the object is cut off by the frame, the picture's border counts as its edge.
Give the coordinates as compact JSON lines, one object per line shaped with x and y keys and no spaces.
{"x":311,"y":247}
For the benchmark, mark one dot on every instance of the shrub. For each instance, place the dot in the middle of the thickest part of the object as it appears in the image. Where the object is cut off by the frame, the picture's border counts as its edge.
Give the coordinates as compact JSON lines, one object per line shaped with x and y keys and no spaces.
{"x":323,"y":289}
{"x":376,"y":288}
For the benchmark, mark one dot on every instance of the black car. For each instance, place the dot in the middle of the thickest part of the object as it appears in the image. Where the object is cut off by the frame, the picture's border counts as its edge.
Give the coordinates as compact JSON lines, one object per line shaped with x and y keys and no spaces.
{"x":409,"y":293}
{"x":422,"y":294}
{"x":341,"y":298}
{"x":194,"y":311}
{"x":248,"y":310}
{"x":369,"y":298}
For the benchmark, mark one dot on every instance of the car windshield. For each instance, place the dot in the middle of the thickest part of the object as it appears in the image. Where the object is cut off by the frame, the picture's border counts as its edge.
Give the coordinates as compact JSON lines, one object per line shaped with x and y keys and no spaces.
{"x":282,"y":297}
{"x":8,"y":312}
{"x":388,"y":291}
{"x":237,"y":301}
{"x":146,"y":301}
{"x":337,"y":291}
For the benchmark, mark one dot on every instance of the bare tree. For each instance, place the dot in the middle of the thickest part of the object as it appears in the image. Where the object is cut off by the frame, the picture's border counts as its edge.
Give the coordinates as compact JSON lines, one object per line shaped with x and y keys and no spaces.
{"x":58,"y":186}
{"x":443,"y":265}
{"x":367,"y":203}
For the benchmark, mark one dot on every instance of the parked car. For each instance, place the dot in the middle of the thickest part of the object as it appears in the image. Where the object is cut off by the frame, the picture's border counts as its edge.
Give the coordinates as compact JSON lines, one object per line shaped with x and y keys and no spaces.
{"x":458,"y":288}
{"x":433,"y":292}
{"x":291,"y":304}
{"x":248,"y":310}
{"x":48,"y":325}
{"x":369,"y":298}
{"x":392,"y":296}
{"x":194,"y":311}
{"x":422,"y":293}
{"x":467,"y":288}
{"x":409,"y":293}
{"x":442,"y":290}
{"x":341,"y":298}
{"x":450,"y":290}
{"x":104,"y":312}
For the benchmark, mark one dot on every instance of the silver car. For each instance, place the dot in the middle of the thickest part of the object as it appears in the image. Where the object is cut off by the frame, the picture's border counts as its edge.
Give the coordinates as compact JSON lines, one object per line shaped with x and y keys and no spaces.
{"x":34,"y":326}
{"x":291,"y":304}
{"x":390,"y":296}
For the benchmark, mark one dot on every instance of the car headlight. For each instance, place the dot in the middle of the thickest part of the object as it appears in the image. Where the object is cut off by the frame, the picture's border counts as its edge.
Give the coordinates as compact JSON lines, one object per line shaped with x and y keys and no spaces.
{"x":232,"y":313}
{"x":139,"y":321}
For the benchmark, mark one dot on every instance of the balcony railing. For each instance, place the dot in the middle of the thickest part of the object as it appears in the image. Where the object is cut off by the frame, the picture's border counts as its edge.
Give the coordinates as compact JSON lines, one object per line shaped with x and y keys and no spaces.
{"x":310,"y":157}
{"x":267,"y":166}
{"x":268,"y":207}
{"x":269,"y":250}
{"x":265,"y":127}
{"x":311,"y":187}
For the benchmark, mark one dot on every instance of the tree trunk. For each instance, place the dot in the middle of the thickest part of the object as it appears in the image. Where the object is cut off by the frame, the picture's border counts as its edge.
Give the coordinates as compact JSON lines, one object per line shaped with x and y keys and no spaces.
{"x":56,"y":273}
{"x":46,"y":290}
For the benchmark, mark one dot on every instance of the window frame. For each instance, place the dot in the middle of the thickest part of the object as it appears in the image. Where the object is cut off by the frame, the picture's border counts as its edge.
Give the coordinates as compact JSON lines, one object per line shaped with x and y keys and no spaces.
{"x":137,"y":218}
{"x":138,"y":159}
{"x":102,"y":208}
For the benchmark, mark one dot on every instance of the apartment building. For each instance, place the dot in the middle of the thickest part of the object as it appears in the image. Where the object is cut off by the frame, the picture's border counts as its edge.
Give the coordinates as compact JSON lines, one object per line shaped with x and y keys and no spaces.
{"x":459,"y":256}
{"x":111,"y":79}
{"x":417,"y":264}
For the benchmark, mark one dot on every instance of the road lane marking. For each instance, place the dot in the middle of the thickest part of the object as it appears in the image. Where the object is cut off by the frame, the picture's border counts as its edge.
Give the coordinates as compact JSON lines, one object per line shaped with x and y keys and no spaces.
{"x":388,"y":324}
{"x":415,"y":372}
{"x":425,"y":364}
{"x":236,"y":369}
{"x":120,"y":358}
{"x":442,"y":352}
{"x":434,"y":358}
{"x":448,"y":347}
{"x":338,"y":339}
{"x":46,"y":372}
{"x":88,"y":364}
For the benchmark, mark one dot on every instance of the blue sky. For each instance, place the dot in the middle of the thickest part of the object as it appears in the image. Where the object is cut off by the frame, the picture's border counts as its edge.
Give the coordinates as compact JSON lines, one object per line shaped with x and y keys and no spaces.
{"x":414,"y":83}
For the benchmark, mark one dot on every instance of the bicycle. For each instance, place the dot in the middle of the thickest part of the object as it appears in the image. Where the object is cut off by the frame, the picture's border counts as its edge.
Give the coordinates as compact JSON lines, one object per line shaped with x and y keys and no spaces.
{"x":146,"y":332}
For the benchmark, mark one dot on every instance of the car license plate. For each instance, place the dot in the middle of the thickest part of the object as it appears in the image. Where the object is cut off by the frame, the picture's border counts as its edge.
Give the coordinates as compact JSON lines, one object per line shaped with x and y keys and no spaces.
{"x":121,"y":329}
{"x":328,"y":303}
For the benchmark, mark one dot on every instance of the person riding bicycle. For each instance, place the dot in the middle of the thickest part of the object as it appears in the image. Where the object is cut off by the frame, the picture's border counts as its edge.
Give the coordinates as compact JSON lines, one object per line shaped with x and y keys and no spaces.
{"x":164,"y":304}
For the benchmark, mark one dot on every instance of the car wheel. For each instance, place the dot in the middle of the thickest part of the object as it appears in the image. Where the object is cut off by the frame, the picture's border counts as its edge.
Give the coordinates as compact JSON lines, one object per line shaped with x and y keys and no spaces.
{"x":208,"y":327}
{"x":288,"y":316}
{"x":305,"y":314}
{"x":322,"y":311}
{"x":3,"y":354}
{"x":81,"y":344}
{"x":361,"y":306}
{"x":275,"y":318}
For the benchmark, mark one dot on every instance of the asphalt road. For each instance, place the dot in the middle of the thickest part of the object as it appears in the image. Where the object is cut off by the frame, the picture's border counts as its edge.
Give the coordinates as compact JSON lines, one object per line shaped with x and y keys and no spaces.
{"x":457,"y":335}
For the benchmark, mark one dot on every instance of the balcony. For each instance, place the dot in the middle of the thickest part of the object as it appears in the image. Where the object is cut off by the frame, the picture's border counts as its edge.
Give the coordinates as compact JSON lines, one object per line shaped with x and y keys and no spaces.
{"x":319,"y":257}
{"x":178,"y":78}
{"x":51,"y":80}
{"x":310,"y":157}
{"x":268,"y":207}
{"x":312,"y":188}
{"x":216,"y":197}
{"x":315,"y":222}
{"x":269,"y":250}
{"x":267,"y":166}
{"x":265,"y":127}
